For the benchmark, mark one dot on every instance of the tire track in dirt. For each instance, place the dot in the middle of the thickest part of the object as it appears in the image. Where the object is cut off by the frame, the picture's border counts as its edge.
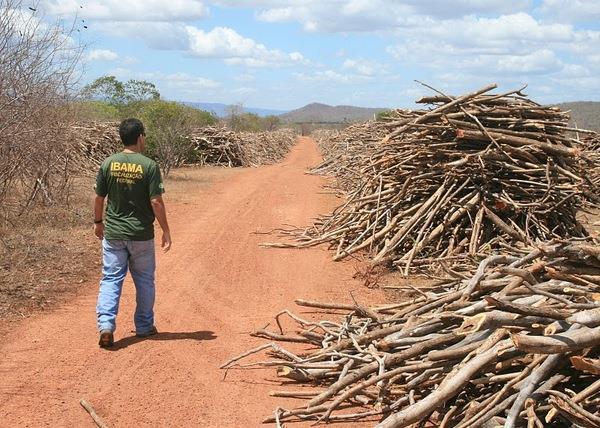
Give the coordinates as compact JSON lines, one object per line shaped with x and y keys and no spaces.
{"x":214,"y":287}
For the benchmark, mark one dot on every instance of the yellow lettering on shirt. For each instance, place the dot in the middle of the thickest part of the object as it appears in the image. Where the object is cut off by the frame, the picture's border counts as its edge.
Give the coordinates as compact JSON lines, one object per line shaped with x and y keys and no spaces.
{"x":126,"y":167}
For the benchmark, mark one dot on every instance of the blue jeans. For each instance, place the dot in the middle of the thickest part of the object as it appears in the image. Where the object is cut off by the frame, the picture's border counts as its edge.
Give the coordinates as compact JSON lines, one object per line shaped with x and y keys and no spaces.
{"x":117,"y":256}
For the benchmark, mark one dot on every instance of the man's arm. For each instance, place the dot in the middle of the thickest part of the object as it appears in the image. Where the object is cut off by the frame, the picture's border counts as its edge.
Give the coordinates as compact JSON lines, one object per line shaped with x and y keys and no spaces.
{"x":158,"y":206}
{"x":98,"y":211}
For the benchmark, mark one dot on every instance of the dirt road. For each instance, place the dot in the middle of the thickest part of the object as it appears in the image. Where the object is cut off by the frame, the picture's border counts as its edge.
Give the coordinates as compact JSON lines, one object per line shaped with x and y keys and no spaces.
{"x":214,"y":287}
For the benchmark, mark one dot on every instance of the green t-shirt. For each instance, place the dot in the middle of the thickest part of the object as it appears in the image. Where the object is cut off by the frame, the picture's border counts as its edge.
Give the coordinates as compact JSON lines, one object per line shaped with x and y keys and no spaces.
{"x":130,"y":180}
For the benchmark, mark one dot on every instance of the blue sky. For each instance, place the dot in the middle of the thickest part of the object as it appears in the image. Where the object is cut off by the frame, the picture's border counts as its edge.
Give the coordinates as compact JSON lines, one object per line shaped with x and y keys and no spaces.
{"x":285,"y":54}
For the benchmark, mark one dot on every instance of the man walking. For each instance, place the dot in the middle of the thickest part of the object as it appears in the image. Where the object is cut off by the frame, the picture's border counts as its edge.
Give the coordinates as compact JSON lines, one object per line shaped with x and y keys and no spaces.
{"x":134,"y":188}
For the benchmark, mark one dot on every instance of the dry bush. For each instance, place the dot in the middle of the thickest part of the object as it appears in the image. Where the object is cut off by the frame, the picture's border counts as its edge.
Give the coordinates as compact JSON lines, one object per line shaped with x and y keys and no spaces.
{"x":38,"y":69}
{"x":43,"y":221}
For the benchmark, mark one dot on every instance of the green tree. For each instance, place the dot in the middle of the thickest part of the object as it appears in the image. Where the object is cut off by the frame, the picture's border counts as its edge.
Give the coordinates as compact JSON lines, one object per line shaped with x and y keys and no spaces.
{"x":106,"y":88}
{"x":169,"y":128}
{"x":121,"y":95}
{"x":140,"y":90}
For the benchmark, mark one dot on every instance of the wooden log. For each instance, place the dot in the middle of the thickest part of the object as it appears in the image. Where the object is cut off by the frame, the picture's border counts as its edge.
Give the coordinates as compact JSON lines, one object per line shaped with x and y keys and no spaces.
{"x":528,"y":310}
{"x":511,"y":140}
{"x":570,"y":341}
{"x":590,"y":318}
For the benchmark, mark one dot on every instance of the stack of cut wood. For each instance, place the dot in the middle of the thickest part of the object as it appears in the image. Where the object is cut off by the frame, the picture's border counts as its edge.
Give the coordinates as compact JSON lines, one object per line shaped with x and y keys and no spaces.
{"x":218,"y":146}
{"x":265,"y":148}
{"x":518,"y":342}
{"x":94,"y":141}
{"x":341,"y":149}
{"x":593,"y":152}
{"x":475,"y":174}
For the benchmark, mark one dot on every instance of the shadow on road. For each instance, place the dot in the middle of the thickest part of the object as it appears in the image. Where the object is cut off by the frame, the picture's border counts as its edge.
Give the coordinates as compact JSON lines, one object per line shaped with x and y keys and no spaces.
{"x":193,"y":335}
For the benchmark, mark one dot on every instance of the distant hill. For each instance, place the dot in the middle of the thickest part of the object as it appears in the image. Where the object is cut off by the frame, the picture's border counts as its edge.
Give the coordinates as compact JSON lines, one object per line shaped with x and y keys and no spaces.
{"x":323,"y":113}
{"x":221,"y":109}
{"x":586,"y":114}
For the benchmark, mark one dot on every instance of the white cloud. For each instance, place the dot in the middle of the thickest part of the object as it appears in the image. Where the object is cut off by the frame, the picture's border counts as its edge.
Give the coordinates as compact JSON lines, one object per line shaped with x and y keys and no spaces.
{"x":188,"y":82}
{"x":339,"y":16}
{"x":502,"y":30}
{"x":572,"y":10}
{"x":505,"y":47}
{"x":298,"y":58}
{"x":364,"y":67}
{"x":282,"y":14}
{"x":330,"y":76}
{"x":219,"y":43}
{"x":543,"y":61}
{"x":226,"y":43}
{"x":102,"y":55}
{"x":129,"y":10}
{"x":457,"y":8}
{"x":575,"y":71}
{"x":156,"y":35}
{"x":370,"y":15}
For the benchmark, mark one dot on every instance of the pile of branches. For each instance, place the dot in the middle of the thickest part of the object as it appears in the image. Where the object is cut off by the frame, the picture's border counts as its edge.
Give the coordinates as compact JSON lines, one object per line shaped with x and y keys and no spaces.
{"x":593,"y":152}
{"x":94,"y":141}
{"x":517,"y":342}
{"x":341,"y":149}
{"x":475,"y":174}
{"x":219,"y":146}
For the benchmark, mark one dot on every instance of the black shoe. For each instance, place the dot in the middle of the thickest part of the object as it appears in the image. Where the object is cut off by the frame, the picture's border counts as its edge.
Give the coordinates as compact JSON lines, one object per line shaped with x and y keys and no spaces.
{"x":106,"y":339}
{"x":148,"y":334}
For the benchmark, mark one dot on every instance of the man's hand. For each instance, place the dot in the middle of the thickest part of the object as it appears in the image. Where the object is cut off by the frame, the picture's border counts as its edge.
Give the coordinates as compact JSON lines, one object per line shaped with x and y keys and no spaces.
{"x":99,"y":230}
{"x":166,"y":241}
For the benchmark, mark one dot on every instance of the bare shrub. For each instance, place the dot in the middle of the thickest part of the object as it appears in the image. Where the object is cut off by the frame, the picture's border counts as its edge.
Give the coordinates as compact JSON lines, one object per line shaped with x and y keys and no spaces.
{"x":38,"y":70}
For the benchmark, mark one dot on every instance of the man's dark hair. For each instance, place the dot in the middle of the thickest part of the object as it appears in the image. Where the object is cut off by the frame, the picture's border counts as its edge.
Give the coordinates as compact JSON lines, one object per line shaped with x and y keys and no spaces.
{"x":130,"y":130}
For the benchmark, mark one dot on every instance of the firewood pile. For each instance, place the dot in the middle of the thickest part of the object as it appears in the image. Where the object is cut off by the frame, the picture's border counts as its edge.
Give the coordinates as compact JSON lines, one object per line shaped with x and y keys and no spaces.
{"x":94,"y":141}
{"x":516,"y":344}
{"x":341,"y":149}
{"x":219,"y":146}
{"x":593,"y":152}
{"x":475,"y":174}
